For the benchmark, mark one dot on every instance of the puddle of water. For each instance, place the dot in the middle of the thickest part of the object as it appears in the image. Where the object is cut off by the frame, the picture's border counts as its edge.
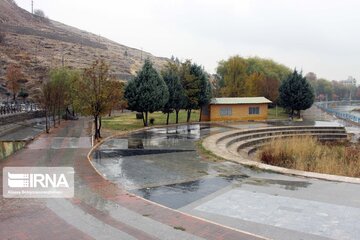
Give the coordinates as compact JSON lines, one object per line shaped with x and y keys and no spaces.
{"x":288,"y":185}
{"x":155,"y":157}
{"x":182,"y":194}
{"x":162,"y":165}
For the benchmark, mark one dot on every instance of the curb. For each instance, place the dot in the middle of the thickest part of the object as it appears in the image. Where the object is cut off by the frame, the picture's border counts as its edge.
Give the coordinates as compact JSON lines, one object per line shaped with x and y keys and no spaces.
{"x":209,"y":144}
{"x":148,"y":201}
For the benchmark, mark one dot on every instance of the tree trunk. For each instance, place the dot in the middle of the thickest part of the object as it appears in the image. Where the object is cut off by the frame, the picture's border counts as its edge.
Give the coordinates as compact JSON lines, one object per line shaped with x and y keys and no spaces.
{"x":110,"y":113}
{"x":99,"y":128}
{"x":54,"y":118}
{"x":146,"y":119}
{"x":66,"y":113}
{"x":188,"y":115}
{"x":200,"y":114}
{"x":177,"y":116}
{"x":143,"y":118}
{"x":167,"y":118}
{"x":59,"y":115}
{"x":96,"y":127}
{"x":46,"y":121}
{"x":292,"y":114}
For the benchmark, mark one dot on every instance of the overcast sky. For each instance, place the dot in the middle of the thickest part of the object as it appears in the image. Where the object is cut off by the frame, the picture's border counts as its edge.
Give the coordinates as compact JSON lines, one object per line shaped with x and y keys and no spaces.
{"x":322,"y":36}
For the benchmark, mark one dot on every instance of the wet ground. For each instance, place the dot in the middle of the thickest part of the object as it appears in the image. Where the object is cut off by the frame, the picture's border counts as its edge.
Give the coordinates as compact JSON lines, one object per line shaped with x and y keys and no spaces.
{"x":162,"y":165}
{"x":156,"y":157}
{"x":24,"y":132}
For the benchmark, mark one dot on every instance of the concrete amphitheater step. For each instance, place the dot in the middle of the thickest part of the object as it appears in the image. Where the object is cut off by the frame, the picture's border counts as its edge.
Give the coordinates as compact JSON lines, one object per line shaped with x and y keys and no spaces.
{"x":235,"y":141}
{"x":216,"y":143}
{"x":225,"y":140}
{"x":223,"y":136}
{"x":230,"y":141}
{"x":253,"y":141}
{"x":248,"y":151}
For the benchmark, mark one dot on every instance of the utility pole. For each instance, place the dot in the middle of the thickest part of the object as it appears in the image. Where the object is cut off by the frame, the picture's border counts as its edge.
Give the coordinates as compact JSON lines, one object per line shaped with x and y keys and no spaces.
{"x":350,"y":95}
{"x":32,"y":6}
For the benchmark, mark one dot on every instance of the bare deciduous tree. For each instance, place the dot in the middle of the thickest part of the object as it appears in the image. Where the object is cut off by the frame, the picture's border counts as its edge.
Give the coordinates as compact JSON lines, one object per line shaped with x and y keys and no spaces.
{"x":13,"y":75}
{"x":96,"y":93}
{"x":44,"y":98}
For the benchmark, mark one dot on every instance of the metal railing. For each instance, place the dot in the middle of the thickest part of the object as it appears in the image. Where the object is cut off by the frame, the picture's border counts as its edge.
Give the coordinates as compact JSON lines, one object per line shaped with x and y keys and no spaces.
{"x":343,"y":115}
{"x":12,"y":108}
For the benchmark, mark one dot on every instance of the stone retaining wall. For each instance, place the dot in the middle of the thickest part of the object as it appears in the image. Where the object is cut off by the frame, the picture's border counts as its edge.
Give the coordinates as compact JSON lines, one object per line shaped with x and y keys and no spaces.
{"x":18,"y":117}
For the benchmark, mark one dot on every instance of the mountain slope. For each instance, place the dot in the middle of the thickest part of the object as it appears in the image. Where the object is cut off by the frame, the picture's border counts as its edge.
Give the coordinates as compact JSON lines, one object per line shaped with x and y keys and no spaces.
{"x":38,"y":44}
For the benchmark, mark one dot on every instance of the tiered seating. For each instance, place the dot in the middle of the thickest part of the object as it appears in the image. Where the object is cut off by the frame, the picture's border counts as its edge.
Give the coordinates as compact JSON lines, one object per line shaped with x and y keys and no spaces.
{"x":243,"y":142}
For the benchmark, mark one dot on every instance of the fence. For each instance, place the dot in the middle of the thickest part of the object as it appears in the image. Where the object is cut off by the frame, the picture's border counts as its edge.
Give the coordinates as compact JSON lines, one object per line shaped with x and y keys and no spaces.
{"x":6,"y":109}
{"x":343,"y":115}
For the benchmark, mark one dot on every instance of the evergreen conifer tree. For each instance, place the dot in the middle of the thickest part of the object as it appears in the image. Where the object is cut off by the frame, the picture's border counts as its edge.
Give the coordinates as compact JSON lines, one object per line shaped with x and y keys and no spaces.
{"x":296,"y":93}
{"x":176,"y":92}
{"x":147,"y":92}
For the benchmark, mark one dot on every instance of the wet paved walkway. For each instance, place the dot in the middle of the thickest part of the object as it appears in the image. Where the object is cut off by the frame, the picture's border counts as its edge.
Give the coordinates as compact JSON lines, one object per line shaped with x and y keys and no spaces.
{"x":100,"y":209}
{"x":268,"y":204}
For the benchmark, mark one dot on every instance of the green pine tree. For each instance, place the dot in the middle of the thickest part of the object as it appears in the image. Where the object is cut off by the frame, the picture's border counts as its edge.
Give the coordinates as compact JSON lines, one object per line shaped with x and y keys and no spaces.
{"x":196,"y":86}
{"x":296,"y":93}
{"x":205,"y":92}
{"x":176,"y":92}
{"x":147,"y":92}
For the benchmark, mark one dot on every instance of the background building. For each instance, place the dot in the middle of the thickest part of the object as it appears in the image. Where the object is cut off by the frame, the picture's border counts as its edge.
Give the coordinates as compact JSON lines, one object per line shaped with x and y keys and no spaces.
{"x":349,"y":82}
{"x":236,"y":109}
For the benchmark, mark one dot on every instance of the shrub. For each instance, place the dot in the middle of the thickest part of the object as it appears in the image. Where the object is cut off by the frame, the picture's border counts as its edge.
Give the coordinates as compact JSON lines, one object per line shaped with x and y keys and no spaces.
{"x":39,"y":12}
{"x":152,"y":120}
{"x":139,"y":116}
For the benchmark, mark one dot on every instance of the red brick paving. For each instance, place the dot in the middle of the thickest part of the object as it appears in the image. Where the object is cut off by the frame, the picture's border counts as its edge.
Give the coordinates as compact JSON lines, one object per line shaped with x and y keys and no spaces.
{"x":42,"y":223}
{"x":31,"y":221}
{"x":112,"y":222}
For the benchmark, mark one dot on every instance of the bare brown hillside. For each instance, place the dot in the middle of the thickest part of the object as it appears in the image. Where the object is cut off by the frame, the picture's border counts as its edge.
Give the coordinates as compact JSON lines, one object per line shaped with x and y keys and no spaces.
{"x":38,"y":44}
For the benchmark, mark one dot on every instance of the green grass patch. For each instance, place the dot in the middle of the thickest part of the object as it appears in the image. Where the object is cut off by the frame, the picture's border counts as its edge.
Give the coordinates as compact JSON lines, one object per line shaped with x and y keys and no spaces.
{"x":128,"y":121}
{"x":278,"y":113}
{"x":206,"y":154}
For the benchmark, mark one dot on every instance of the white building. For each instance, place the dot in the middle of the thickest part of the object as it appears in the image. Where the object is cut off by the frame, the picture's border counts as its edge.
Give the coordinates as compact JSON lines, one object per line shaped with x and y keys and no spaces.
{"x":349,"y":82}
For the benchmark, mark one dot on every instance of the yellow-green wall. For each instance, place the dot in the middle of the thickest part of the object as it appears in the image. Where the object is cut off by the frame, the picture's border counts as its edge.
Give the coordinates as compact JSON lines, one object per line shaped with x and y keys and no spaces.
{"x":240,"y":112}
{"x":9,"y":147}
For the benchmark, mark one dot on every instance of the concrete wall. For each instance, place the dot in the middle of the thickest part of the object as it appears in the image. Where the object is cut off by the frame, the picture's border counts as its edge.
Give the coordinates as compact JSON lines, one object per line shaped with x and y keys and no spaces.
{"x":18,"y":117}
{"x":9,"y":147}
{"x":205,"y":113}
{"x":240,"y":112}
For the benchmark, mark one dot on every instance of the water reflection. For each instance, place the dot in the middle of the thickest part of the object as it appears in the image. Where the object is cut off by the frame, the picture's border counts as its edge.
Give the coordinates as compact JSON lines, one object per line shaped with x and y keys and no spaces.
{"x":135,"y":143}
{"x":154,"y":157}
{"x":182,"y":194}
{"x":162,"y":165}
{"x":288,"y":185}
